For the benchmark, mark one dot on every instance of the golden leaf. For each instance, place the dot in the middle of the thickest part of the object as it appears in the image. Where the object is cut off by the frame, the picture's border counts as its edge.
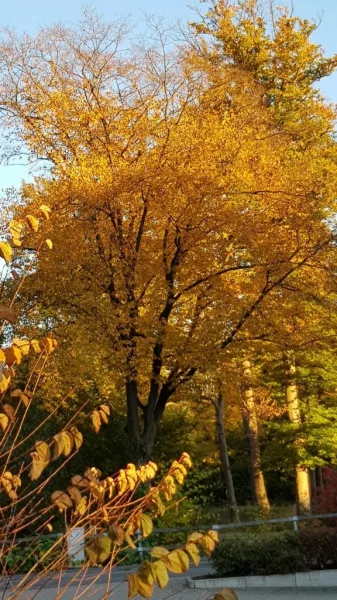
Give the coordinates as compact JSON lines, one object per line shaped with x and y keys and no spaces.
{"x":96,"y":420}
{"x":159,"y":552}
{"x":132,"y":585}
{"x":15,"y":228}
{"x":40,"y":459}
{"x":74,"y":494}
{"x":177,"y":561}
{"x":92,"y":554}
{"x":4,"y":421}
{"x":68,"y":442}
{"x":47,"y":345}
{"x":225,"y":594}
{"x":45,"y":210}
{"x":104,"y":543}
{"x":5,"y":251}
{"x":4,"y":383}
{"x":195,"y":536}
{"x":36,"y":346}
{"x":61,"y":500}
{"x":116,"y":534}
{"x":49,"y":244}
{"x":130,"y":541}
{"x":186,"y":460}
{"x":13,"y":355}
{"x":80,"y":481}
{"x":23,"y":345}
{"x":103,"y":416}
{"x":49,"y":527}
{"x":10,"y":412}
{"x":81,"y":507}
{"x":145,"y":588}
{"x":78,"y":437}
{"x":193,"y":552}
{"x":32,"y":222}
{"x":160,"y":574}
{"x":58,"y":445}
{"x":106,"y":409}
{"x":213,"y":534}
{"x":145,"y":525}
{"x":208,"y":544}
{"x":7,"y":314}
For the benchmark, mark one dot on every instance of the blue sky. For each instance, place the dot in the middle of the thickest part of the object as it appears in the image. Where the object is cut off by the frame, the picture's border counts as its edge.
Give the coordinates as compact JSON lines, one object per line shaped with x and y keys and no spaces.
{"x":28,"y":15}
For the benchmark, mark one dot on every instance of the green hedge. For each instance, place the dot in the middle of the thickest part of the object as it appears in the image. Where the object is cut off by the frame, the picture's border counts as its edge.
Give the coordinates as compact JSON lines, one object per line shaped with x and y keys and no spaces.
{"x":276,"y":553}
{"x":25,"y":555}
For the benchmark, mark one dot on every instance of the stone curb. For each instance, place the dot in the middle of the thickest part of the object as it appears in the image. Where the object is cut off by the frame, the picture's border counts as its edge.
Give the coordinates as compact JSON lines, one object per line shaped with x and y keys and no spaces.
{"x":310,"y":579}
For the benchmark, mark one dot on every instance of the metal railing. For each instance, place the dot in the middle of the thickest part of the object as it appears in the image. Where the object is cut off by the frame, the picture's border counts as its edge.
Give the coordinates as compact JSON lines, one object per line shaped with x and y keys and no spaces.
{"x":295,"y":520}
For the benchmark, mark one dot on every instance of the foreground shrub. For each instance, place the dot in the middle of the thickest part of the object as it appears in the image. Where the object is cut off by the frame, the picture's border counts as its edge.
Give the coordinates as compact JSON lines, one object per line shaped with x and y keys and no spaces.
{"x":255,"y":554}
{"x":318,"y":547}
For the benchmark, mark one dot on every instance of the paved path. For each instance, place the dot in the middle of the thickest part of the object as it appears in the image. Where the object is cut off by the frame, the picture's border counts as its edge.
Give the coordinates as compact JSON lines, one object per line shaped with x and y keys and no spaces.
{"x":176,"y":590}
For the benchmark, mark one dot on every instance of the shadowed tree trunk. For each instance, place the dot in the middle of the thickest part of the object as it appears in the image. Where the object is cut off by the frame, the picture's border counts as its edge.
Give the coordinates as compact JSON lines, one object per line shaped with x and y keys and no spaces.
{"x":302,"y":472}
{"x":224,"y":458}
{"x":259,"y":486}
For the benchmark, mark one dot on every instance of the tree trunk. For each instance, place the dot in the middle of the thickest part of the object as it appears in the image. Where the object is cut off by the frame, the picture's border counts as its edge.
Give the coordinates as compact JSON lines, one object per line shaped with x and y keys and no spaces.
{"x":260,"y":491}
{"x":224,"y":458}
{"x":302,"y":472}
{"x":319,"y":477}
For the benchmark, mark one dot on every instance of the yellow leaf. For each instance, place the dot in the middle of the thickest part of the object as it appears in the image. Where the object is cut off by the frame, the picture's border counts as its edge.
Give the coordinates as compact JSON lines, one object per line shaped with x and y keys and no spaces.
{"x":105,"y":408}
{"x":159,"y":552}
{"x":49,"y":527}
{"x":74,"y":494}
{"x":213,"y":534}
{"x":4,"y":383}
{"x":104,"y":543}
{"x":4,"y":421}
{"x":45,"y":207}
{"x":130,"y":541}
{"x":36,"y":346}
{"x":23,"y":345}
{"x":103,"y":416}
{"x":13,"y":355}
{"x":80,"y":481}
{"x":47,"y":345}
{"x":186,"y":460}
{"x":32,"y":222}
{"x":7,"y":314}
{"x":96,"y":420}
{"x":116,"y":534}
{"x":58,"y":445}
{"x":145,"y":524}
{"x":40,"y":459}
{"x":132,"y":585}
{"x":78,"y":437}
{"x":208,"y":544}
{"x":195,"y":536}
{"x":68,"y":442}
{"x":193,"y":552}
{"x":225,"y":594}
{"x":49,"y":244}
{"x":45,"y":210}
{"x":92,"y":554}
{"x":177,"y":561}
{"x":5,"y":251}
{"x":10,"y":412}
{"x":160,"y":573}
{"x":16,"y":242}
{"x":82,"y":507}
{"x":145,"y":589}
{"x":15,"y":228}
{"x":61,"y":500}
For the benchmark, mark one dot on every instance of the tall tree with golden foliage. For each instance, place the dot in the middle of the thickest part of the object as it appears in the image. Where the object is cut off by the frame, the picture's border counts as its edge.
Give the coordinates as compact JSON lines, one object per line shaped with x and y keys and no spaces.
{"x":190,"y":187}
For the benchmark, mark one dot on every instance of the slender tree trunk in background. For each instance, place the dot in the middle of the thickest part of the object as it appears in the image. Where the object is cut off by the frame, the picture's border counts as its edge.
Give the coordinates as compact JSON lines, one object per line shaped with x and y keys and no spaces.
{"x":260,"y":491}
{"x":302,"y":472}
{"x":319,"y":477}
{"x":224,"y":458}
{"x":313,"y":484}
